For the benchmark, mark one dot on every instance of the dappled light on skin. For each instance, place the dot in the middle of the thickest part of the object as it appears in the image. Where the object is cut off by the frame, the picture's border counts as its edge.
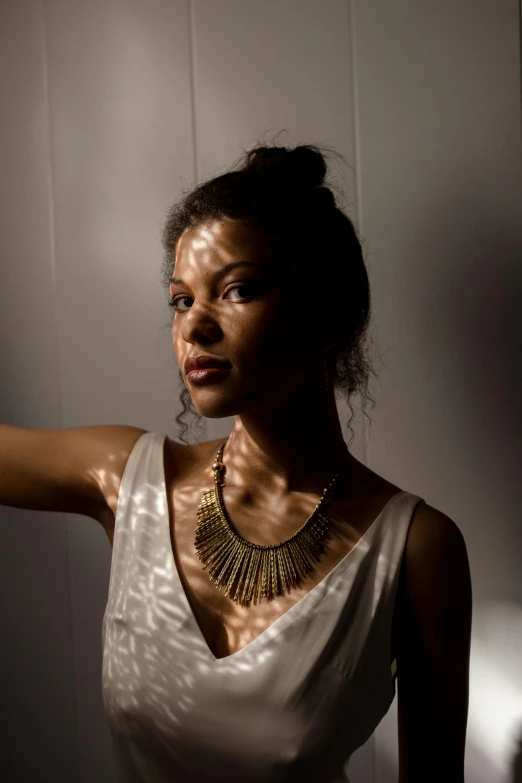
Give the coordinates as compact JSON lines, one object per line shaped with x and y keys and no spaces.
{"x":263,"y":520}
{"x":167,"y":669}
{"x":268,"y":332}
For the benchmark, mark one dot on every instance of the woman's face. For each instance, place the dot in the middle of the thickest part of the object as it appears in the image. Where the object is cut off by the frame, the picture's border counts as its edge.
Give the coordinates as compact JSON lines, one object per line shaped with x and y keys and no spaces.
{"x":244,"y":313}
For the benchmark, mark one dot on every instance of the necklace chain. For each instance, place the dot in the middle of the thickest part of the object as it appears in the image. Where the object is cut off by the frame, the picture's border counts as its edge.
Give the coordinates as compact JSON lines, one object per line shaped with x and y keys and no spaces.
{"x":247,"y":571}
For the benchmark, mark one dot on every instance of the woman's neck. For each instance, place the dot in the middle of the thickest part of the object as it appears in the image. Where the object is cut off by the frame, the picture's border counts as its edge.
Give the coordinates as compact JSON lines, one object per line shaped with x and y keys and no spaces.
{"x":295,"y":448}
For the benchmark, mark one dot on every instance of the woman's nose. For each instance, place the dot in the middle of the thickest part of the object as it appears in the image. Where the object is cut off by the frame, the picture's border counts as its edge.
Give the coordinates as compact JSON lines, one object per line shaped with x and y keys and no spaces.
{"x":200,"y":325}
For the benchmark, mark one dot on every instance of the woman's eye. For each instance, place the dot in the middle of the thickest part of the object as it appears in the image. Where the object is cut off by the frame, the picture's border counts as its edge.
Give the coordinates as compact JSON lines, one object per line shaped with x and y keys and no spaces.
{"x":173,"y":302}
{"x":246,"y":287}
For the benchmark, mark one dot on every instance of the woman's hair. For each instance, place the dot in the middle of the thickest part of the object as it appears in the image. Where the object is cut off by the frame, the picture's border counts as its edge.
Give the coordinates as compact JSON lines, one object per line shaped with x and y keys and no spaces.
{"x":282,"y":192}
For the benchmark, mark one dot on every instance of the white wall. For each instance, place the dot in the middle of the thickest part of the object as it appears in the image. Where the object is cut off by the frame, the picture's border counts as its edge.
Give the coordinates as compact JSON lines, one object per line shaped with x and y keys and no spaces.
{"x":107,"y":109}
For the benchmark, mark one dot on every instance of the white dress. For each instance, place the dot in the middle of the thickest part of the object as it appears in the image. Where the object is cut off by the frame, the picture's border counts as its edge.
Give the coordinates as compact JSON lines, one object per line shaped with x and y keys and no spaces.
{"x":290,"y":707}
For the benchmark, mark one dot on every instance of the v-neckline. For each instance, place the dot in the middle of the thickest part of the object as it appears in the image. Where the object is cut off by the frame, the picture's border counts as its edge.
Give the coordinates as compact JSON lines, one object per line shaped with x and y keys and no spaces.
{"x":282,"y":621}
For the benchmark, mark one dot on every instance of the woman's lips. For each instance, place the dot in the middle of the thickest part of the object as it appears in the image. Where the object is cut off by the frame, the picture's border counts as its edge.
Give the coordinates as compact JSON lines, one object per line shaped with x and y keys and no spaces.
{"x":203,"y":361}
{"x":207,"y":375}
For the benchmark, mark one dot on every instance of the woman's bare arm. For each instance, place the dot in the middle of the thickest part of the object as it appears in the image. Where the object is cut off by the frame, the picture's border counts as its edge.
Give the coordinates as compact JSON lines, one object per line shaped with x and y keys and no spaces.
{"x":70,"y":470}
{"x":433,"y":651}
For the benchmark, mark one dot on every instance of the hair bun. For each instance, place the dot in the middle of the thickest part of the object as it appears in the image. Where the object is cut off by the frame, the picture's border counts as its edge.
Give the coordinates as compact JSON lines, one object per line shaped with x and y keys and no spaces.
{"x":304,"y":164}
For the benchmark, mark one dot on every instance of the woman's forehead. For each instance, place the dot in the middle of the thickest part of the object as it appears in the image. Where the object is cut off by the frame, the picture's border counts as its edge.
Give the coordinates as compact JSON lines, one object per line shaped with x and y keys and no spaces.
{"x":220,"y":242}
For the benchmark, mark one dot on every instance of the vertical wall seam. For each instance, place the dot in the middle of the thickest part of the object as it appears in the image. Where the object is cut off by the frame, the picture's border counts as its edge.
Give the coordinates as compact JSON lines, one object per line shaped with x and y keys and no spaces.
{"x":355,"y":114}
{"x":358,"y":181}
{"x":44,"y":49}
{"x":193,"y":88}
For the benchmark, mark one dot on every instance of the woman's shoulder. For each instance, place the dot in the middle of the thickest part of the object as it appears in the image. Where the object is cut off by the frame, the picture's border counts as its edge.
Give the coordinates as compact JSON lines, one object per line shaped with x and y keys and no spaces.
{"x":429,"y":525}
{"x":432,"y":532}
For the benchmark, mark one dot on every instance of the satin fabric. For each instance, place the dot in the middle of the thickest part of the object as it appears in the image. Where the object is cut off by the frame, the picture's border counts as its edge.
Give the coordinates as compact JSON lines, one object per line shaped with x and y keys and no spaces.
{"x":290,"y":707}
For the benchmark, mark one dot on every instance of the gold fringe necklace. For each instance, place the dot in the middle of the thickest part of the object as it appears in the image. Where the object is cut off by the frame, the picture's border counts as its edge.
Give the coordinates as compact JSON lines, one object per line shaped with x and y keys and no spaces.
{"x":256,"y":571}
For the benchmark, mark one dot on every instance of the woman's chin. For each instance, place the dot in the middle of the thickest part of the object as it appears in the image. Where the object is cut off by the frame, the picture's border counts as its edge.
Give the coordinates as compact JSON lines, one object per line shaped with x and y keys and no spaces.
{"x":215,"y":409}
{"x":216,"y":403}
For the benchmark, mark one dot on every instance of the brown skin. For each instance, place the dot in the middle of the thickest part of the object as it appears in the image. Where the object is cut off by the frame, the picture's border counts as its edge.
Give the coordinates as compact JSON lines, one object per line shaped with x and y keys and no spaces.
{"x":277,"y":379}
{"x":276,"y":470}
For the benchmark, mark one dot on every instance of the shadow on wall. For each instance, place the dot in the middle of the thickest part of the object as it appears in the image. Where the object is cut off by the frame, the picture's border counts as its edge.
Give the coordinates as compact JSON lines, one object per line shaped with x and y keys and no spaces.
{"x":468,"y":349}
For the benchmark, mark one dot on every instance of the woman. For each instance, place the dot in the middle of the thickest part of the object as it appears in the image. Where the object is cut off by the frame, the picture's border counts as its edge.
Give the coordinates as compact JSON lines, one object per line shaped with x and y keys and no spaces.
{"x":258,"y":638}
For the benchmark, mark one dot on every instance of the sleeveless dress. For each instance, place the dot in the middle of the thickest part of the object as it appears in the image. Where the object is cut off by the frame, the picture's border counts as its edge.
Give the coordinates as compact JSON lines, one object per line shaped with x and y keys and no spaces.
{"x":290,"y":707}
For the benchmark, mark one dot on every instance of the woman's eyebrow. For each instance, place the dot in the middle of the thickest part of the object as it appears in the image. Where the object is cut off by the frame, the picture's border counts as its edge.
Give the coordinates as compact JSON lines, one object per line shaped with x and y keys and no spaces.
{"x":221,"y":272}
